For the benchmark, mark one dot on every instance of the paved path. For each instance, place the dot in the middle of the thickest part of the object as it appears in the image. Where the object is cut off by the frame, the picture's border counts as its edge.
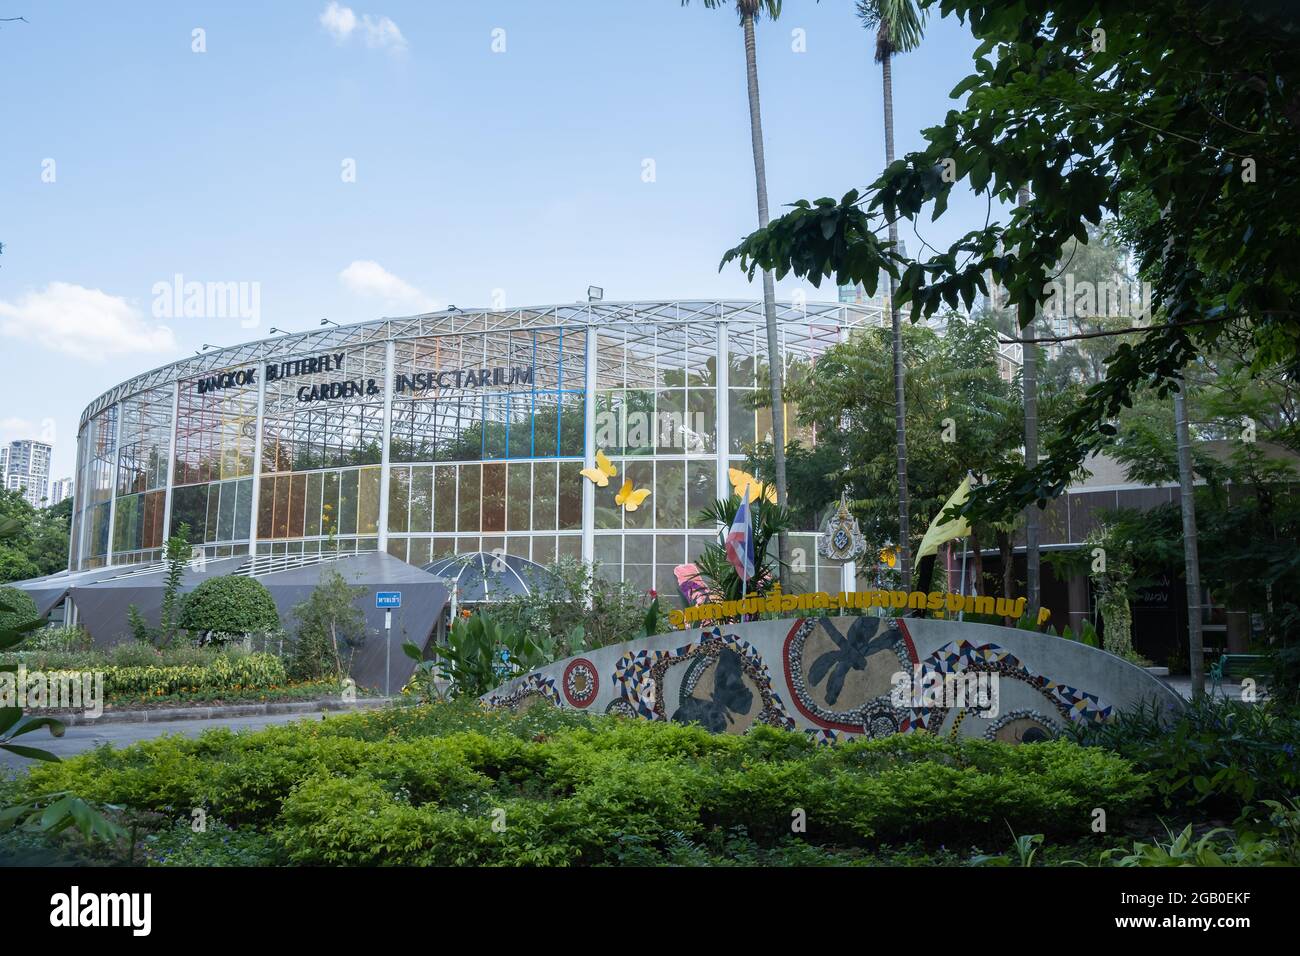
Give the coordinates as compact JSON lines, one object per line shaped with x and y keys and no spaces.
{"x":86,"y":737}
{"x":1228,"y":689}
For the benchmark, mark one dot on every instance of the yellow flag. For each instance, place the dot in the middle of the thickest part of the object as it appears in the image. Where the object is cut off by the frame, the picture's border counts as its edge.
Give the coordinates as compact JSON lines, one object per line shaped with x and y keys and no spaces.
{"x":944,"y":530}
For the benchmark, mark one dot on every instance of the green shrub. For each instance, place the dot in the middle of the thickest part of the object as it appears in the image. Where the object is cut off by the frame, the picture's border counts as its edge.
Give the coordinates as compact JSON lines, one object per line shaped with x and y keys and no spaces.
{"x":140,"y":630}
{"x":429,"y":786}
{"x":16,"y":608}
{"x":480,"y":653}
{"x":223,"y":672}
{"x":60,"y":639}
{"x":229,"y":606}
{"x":216,"y":845}
{"x":126,"y":654}
{"x":1216,"y":754}
{"x":1276,"y":843}
{"x":575,"y":607}
{"x":1284,"y":685}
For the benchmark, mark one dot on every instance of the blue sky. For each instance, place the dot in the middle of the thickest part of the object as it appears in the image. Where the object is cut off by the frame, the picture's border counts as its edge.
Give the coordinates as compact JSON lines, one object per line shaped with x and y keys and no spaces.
{"x":515,"y":174}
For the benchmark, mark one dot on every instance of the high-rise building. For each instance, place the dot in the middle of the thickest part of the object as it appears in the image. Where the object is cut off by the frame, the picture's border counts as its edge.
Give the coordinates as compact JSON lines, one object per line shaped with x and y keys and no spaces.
{"x":28,"y":470}
{"x":60,"y":490}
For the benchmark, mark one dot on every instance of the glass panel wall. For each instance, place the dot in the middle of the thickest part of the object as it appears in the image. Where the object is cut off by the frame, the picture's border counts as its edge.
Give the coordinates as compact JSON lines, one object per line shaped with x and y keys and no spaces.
{"x":486,"y":442}
{"x":142,"y":475}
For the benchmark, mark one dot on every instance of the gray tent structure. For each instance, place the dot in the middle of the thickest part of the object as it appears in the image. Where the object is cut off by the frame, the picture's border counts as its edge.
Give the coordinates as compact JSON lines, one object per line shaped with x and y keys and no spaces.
{"x":49,"y":592}
{"x":418,"y":620}
{"x":102,"y":606}
{"x":483,"y":576}
{"x":102,"y":601}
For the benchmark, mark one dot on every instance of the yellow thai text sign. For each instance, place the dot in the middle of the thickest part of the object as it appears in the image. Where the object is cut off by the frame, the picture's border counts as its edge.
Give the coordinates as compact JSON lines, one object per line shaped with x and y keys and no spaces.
{"x":776,"y":602}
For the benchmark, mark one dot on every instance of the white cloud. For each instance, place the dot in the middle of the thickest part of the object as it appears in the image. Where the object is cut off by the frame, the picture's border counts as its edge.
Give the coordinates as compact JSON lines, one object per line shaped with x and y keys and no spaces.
{"x":86,"y":323}
{"x":367,"y":277}
{"x":381,"y":33}
{"x":340,"y":21}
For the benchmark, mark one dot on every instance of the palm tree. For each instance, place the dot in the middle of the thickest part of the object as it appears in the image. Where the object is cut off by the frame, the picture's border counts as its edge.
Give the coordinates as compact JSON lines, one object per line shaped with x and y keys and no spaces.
{"x":768,"y":522}
{"x":749,"y":11}
{"x":1029,"y":380}
{"x":899,"y":26}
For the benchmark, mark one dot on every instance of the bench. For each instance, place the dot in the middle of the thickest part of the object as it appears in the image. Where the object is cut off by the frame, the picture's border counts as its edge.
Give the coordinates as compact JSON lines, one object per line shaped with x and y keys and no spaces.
{"x":1237,"y":666}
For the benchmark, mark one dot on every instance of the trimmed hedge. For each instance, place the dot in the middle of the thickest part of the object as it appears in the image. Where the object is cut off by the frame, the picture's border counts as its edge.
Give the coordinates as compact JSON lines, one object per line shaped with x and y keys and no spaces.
{"x":372,"y":789}
{"x":225,"y":672}
{"x":230,"y":605}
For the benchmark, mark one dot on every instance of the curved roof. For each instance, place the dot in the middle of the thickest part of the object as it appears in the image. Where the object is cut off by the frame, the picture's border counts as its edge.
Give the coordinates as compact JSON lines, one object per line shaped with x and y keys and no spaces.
{"x":453,"y":320}
{"x":485,"y":576}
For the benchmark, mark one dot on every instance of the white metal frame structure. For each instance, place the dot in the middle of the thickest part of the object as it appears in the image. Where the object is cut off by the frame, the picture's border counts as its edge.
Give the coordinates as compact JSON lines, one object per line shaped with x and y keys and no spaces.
{"x":254,"y":469}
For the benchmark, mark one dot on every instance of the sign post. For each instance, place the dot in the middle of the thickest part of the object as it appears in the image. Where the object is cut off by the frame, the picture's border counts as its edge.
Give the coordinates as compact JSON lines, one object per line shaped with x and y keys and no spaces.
{"x":387,"y":600}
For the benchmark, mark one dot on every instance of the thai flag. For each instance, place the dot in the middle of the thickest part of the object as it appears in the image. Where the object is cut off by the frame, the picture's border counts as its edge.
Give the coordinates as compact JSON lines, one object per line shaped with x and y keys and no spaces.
{"x":740,"y":541}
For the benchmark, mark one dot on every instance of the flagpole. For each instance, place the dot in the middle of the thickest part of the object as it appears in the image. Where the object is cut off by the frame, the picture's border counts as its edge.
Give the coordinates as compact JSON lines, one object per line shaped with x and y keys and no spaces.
{"x":744,"y":578}
{"x":961,"y":615}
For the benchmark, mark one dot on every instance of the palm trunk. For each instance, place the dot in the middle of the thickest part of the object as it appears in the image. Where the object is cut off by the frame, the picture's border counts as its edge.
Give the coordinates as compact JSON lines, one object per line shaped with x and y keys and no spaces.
{"x":1030,"y":382}
{"x":769,"y":293}
{"x":1191,"y":558}
{"x":900,"y":408}
{"x":1191,"y":555}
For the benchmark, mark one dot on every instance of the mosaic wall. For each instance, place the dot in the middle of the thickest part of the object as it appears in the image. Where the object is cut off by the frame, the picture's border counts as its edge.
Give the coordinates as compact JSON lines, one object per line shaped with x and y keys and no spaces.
{"x":843,"y":677}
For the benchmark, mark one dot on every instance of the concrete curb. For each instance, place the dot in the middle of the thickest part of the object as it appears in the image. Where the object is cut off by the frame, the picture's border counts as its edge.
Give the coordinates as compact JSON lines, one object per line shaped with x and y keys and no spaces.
{"x":225,"y":710}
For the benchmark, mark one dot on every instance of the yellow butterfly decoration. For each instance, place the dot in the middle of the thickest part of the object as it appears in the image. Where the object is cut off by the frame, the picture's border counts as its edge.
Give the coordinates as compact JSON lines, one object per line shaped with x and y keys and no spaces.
{"x":739,"y":479}
{"x":629,"y":499}
{"x":889,"y":557}
{"x":604,"y":470}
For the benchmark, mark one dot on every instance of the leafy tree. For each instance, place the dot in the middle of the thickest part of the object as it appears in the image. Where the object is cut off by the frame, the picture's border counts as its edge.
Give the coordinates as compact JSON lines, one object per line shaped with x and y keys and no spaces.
{"x":330,"y":628}
{"x":176,"y":555}
{"x":229,"y":606}
{"x":39,"y":544}
{"x":961,"y":416}
{"x":1094,"y":296}
{"x":1175,"y":107}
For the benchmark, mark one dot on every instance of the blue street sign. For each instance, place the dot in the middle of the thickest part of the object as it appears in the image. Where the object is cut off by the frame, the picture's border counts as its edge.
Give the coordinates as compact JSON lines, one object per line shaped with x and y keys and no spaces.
{"x":388,"y":599}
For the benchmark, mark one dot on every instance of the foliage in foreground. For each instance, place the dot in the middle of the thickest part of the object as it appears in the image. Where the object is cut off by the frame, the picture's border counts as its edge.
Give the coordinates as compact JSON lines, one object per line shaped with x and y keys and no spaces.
{"x":1217,"y":755}
{"x":450,"y":784}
